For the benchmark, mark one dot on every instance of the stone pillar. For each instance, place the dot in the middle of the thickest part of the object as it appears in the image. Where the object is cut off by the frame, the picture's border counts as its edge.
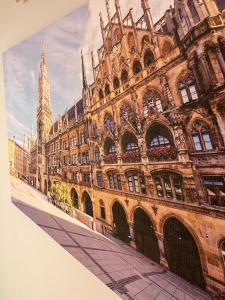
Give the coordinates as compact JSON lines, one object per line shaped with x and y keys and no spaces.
{"x":163,"y":260}
{"x":132,"y":237}
{"x":166,"y":92}
{"x":193,"y":67}
{"x":220,"y":59}
{"x":220,"y":116}
{"x":203,"y":60}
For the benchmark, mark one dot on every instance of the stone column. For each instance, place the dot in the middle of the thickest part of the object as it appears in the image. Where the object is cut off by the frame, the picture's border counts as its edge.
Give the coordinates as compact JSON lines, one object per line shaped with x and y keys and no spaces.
{"x":203,"y":60}
{"x":193,"y":67}
{"x":132,"y":240}
{"x":220,"y":59}
{"x":163,"y":260}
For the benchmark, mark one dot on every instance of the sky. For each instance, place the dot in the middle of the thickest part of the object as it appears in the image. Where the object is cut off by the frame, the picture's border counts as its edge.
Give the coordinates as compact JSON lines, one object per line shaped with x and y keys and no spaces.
{"x":63,"y":43}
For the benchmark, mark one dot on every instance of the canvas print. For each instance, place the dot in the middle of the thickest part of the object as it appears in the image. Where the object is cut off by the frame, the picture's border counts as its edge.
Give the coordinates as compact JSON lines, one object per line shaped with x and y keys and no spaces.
{"x":116,"y":140}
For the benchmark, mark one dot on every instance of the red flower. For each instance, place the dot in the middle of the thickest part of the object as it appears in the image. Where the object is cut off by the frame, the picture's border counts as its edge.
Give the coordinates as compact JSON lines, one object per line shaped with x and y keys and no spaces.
{"x":162,"y":153}
{"x":131,"y":156}
{"x":110,"y":158}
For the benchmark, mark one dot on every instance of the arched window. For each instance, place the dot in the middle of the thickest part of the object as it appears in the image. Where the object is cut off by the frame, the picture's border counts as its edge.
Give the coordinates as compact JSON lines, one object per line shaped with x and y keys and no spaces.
{"x":137,"y":67}
{"x":160,"y":143}
{"x":101,"y":95}
{"x":102,"y":209}
{"x":127,"y":114}
{"x":109,"y":123}
{"x":110,"y":147}
{"x":184,"y":21}
{"x":222,"y":247}
{"x":136,"y":182}
{"x":107,"y":89}
{"x":220,"y":4}
{"x":145,"y":40}
{"x":97,"y":154}
{"x":166,"y":48}
{"x":168,"y":185}
{"x":193,"y":11}
{"x":131,"y":41}
{"x":116,"y":83}
{"x":151,"y":99}
{"x":188,"y":89}
{"x":117,"y":35}
{"x":148,"y":58}
{"x":124,"y":76}
{"x":131,"y":153}
{"x":201,"y":137}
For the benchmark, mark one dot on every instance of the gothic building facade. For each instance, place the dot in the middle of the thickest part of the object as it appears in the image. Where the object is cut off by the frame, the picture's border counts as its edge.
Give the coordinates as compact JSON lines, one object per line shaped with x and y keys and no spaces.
{"x":143,"y":150}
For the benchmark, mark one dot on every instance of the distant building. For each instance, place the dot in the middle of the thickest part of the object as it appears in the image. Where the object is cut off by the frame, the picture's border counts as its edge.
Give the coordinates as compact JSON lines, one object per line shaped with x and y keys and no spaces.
{"x":18,"y":159}
{"x":143,"y":150}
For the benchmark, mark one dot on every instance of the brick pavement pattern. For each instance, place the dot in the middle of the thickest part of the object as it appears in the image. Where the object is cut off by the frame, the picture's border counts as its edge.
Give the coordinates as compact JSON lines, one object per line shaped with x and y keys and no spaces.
{"x":127,"y":272}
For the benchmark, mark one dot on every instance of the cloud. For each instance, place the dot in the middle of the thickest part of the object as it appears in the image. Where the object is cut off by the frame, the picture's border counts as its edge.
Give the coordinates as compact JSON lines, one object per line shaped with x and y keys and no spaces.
{"x":16,"y":124}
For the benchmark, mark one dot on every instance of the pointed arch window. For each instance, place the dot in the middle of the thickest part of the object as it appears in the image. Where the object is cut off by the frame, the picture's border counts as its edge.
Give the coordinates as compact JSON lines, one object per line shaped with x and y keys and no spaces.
{"x":124,"y":76}
{"x":148,"y":58}
{"x":116,"y":83}
{"x":184,"y":21}
{"x":188,"y":90}
{"x":109,"y":123}
{"x":193,"y":11}
{"x":137,"y":67}
{"x":107,"y":89}
{"x":201,"y":137}
{"x":101,"y":95}
{"x":151,"y":99}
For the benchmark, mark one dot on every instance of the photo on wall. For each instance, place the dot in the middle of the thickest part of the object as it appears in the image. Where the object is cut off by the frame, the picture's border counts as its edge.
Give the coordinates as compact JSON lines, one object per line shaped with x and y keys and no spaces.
{"x":116,"y":142}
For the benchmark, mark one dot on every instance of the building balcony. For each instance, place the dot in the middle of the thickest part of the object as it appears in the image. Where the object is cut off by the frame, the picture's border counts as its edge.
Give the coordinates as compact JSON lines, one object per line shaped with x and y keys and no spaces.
{"x":162,"y":153}
{"x":131,"y":157}
{"x":110,"y":158}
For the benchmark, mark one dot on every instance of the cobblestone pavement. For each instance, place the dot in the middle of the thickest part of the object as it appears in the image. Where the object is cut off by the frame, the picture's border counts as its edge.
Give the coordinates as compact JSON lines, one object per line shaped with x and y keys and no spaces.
{"x":127,"y":272}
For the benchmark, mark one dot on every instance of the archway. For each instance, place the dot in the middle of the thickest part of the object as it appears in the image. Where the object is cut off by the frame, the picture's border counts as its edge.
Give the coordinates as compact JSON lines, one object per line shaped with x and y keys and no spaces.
{"x":74,"y":197}
{"x":45,"y":187}
{"x":88,"y":207}
{"x":182,"y":252}
{"x":145,"y":237}
{"x":121,"y":227}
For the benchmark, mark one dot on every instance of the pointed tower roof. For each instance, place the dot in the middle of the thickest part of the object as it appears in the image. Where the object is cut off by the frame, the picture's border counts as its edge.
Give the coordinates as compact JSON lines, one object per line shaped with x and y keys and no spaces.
{"x":85,"y":84}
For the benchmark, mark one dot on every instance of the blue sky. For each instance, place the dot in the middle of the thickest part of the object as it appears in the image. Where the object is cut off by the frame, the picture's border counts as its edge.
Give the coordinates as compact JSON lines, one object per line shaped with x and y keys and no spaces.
{"x":63,"y":43}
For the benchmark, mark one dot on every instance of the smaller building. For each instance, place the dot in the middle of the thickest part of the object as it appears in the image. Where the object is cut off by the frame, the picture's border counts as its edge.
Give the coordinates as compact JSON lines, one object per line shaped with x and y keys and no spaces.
{"x":18,"y":159}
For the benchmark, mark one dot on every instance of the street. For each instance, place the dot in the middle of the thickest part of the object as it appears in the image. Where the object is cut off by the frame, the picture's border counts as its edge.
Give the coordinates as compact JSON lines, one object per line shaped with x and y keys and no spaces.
{"x":127,"y":272}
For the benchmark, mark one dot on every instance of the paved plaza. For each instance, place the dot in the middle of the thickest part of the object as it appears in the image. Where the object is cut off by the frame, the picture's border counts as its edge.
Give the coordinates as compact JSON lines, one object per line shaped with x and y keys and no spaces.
{"x":127,"y":272}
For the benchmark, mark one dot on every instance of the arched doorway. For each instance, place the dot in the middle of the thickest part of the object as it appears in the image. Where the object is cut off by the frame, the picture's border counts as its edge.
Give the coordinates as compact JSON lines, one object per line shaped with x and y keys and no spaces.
{"x":74,"y":197}
{"x":45,"y":187}
{"x":145,"y":237}
{"x":182,"y":252}
{"x":88,"y":208}
{"x":121,"y":227}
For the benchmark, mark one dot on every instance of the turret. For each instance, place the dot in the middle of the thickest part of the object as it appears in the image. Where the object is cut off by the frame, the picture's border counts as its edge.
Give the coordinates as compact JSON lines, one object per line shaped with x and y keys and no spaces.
{"x":85,"y":91}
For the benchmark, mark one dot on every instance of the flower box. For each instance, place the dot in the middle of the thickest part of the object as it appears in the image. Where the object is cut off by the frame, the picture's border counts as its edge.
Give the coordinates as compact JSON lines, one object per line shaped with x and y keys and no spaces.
{"x":131,"y":156}
{"x":162,"y":153}
{"x":110,"y":158}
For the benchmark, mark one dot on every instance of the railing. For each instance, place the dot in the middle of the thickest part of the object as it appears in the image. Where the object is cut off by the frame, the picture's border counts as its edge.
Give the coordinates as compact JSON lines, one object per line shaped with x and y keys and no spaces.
{"x":162,"y":153}
{"x":131,"y":156}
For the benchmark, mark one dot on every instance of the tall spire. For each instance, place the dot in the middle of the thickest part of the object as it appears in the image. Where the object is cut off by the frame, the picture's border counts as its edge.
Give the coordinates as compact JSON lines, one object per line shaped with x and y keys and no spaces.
{"x":119,"y":15}
{"x":44,"y":84}
{"x":147,"y":14}
{"x":108,"y":10}
{"x":93,"y":65}
{"x":85,"y":85}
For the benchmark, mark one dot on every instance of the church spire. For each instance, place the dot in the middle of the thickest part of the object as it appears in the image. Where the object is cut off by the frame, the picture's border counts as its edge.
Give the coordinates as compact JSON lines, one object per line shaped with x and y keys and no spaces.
{"x":147,"y":14}
{"x":85,"y":84}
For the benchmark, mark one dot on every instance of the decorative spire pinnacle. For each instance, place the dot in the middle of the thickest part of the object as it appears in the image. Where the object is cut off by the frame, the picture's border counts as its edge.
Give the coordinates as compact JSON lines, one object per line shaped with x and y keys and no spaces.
{"x":147,"y":13}
{"x":85,"y":84}
{"x":108,"y":10}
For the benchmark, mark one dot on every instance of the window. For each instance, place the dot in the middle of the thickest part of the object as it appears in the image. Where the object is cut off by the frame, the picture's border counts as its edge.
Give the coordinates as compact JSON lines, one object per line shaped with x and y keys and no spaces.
{"x":137,"y":67}
{"x":159,"y":140}
{"x":102,"y":209}
{"x":85,"y":157}
{"x":151,"y":99}
{"x":109,"y":123}
{"x":99,"y":177}
{"x":65,"y":145}
{"x":184,"y":21}
{"x":74,"y":159}
{"x":193,"y":11}
{"x":188,"y":89}
{"x":116,"y":83}
{"x":215,"y":189}
{"x":101,"y":95}
{"x":223,"y":251}
{"x":136,"y":183}
{"x":107,"y":89}
{"x":201,"y":137}
{"x":74,"y":176}
{"x":97,"y":154}
{"x":168,"y":185}
{"x":86,"y":177}
{"x":148,"y":58}
{"x":114,"y":181}
{"x":83,"y":139}
{"x":124,"y":76}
